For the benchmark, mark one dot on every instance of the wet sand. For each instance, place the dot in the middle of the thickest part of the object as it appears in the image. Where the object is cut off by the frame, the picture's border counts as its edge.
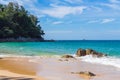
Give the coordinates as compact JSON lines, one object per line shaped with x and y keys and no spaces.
{"x":12,"y":68}
{"x":52,"y":68}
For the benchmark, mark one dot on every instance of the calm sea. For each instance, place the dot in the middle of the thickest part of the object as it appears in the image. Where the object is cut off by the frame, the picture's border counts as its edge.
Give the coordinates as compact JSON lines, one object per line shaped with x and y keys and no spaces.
{"x":110,"y":47}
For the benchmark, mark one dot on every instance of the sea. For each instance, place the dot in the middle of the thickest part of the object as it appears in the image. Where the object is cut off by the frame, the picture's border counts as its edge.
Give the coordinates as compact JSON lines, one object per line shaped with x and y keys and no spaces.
{"x":62,"y":47}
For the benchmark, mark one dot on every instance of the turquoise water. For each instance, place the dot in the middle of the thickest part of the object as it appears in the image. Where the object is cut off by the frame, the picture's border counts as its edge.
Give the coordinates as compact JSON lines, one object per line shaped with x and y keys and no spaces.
{"x":112,"y":47}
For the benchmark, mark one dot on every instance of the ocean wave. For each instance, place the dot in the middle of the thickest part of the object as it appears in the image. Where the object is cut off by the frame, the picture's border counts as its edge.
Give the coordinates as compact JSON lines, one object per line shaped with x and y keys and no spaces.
{"x":112,"y":61}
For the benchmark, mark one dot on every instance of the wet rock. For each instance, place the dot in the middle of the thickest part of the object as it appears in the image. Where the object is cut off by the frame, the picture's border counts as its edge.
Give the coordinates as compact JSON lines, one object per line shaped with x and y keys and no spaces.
{"x":89,"y":51}
{"x":98,"y":54}
{"x":81,"y":52}
{"x":86,"y":73}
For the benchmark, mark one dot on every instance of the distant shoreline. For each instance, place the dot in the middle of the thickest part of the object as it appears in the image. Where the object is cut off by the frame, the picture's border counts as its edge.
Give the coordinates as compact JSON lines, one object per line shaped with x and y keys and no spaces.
{"x":41,"y":40}
{"x":25,"y":40}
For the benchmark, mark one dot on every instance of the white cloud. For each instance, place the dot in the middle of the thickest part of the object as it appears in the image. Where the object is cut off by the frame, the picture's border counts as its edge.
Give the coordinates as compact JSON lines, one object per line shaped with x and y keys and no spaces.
{"x":64,"y":2}
{"x":3,"y":2}
{"x":28,"y":4}
{"x":107,"y":20}
{"x":53,"y":11}
{"x":95,"y":8}
{"x":113,"y":6}
{"x":114,"y":1}
{"x":57,"y":2}
{"x":94,"y":21}
{"x":21,"y":2}
{"x":57,"y":22}
{"x":62,"y":11}
{"x":73,"y":1}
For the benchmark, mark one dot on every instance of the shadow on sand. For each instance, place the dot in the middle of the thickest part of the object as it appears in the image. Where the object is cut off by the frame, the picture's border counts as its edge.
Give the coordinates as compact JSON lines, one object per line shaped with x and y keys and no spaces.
{"x":14,"y":78}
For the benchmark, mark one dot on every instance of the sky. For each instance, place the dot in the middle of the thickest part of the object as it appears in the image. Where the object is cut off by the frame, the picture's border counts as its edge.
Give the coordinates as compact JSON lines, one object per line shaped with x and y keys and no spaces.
{"x":76,"y":19}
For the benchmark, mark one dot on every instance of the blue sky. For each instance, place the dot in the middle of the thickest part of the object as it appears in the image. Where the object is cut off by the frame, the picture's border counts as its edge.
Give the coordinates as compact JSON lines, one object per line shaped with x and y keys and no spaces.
{"x":76,"y":19}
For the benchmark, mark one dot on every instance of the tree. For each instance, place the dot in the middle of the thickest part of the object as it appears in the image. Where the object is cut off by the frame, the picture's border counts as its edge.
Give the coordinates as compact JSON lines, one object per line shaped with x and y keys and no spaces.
{"x":16,"y":22}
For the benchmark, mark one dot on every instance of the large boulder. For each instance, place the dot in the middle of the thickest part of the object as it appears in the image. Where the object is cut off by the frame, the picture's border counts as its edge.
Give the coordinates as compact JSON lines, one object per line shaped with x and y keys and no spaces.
{"x":98,"y":54}
{"x":81,"y":52}
{"x":89,"y":51}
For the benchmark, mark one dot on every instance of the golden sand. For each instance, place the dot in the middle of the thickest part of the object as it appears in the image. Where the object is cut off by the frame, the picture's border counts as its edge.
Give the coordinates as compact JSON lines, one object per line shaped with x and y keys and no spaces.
{"x":18,"y":68}
{"x":32,"y":68}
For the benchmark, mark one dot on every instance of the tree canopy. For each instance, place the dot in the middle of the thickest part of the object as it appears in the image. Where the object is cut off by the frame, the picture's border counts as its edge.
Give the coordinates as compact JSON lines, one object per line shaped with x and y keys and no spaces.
{"x":16,"y":22}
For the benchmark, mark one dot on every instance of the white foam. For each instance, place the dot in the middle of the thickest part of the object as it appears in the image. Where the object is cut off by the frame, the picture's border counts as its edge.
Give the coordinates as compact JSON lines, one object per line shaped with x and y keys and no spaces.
{"x":2,"y":55}
{"x":5,"y":55}
{"x":103,"y":60}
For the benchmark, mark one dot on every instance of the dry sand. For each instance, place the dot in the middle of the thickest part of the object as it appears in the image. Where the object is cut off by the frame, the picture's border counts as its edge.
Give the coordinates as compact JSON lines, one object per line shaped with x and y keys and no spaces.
{"x":54,"y":69}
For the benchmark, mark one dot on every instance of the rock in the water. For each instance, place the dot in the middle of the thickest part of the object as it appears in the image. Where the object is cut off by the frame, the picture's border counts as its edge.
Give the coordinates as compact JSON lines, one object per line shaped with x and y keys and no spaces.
{"x":89,"y":51}
{"x":67,"y":56}
{"x":81,"y":52}
{"x":97,"y":54}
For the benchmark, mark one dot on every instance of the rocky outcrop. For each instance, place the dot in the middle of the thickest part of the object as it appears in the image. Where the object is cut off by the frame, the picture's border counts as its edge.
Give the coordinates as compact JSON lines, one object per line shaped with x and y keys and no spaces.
{"x":89,"y":51}
{"x":82,"y":52}
{"x":66,"y":58}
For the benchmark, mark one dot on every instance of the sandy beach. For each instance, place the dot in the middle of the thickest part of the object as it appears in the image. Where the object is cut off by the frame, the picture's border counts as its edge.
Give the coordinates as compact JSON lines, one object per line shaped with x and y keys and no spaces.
{"x":59,"y":39}
{"x":53,"y":68}
{"x":12,"y":68}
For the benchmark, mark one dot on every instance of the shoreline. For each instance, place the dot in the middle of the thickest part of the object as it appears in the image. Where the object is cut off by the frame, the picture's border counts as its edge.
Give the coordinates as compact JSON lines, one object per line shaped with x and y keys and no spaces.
{"x":106,"y":60}
{"x":51,"y":68}
{"x":25,"y":40}
{"x":16,"y":68}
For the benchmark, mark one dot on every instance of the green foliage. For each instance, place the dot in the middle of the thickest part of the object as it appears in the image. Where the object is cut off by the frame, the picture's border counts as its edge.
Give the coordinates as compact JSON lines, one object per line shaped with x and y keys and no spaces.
{"x":15,"y":22}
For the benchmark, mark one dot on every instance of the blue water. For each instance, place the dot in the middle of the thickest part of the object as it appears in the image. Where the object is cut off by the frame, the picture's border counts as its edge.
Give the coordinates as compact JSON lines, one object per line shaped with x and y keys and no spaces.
{"x":110,"y":47}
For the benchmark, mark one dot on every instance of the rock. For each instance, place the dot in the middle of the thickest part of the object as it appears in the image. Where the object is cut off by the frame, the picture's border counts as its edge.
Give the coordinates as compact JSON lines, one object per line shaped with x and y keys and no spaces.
{"x":67,"y":56}
{"x":81,"y":52}
{"x":1,"y":58}
{"x":86,"y":73}
{"x":89,"y":51}
{"x":97,"y":54}
{"x":101,"y":55}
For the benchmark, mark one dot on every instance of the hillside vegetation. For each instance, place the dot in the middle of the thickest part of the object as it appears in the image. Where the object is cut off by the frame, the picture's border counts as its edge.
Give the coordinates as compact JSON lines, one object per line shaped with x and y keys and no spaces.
{"x":16,"y":22}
